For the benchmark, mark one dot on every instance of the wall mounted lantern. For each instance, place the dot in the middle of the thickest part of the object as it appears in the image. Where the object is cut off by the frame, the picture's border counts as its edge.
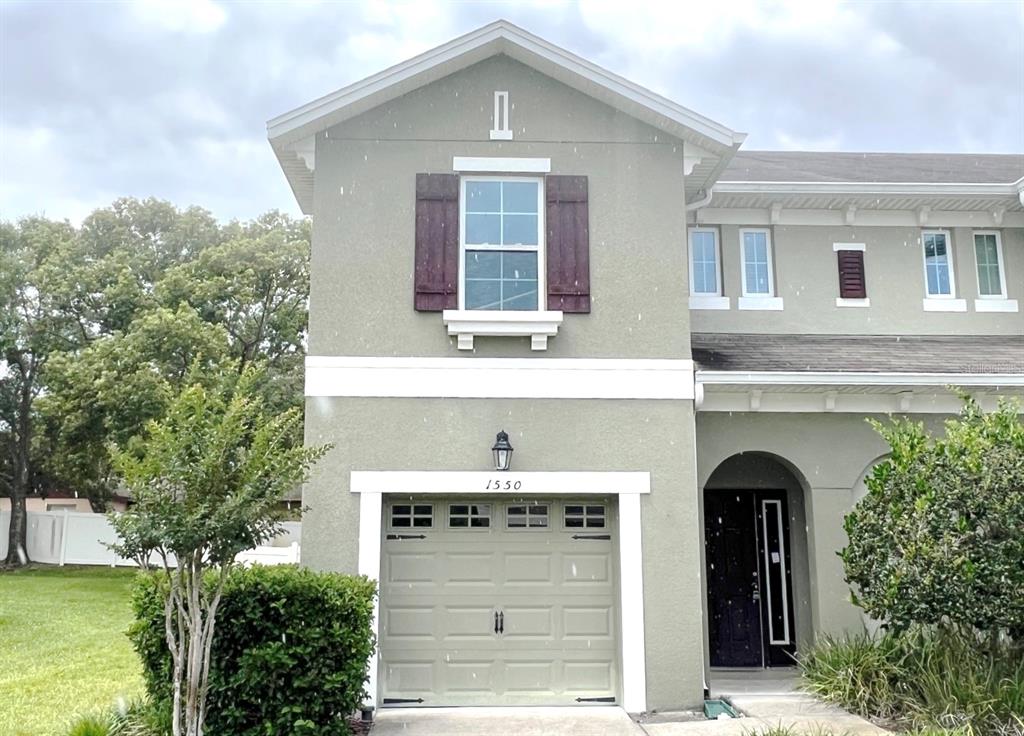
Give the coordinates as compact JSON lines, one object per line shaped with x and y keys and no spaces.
{"x":502,"y":452}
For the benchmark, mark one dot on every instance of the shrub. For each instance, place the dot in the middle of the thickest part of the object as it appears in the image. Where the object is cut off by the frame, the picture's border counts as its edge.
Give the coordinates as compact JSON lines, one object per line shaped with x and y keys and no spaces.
{"x":90,"y":726}
{"x":939,"y":539}
{"x":289,"y":655}
{"x":927,"y":678}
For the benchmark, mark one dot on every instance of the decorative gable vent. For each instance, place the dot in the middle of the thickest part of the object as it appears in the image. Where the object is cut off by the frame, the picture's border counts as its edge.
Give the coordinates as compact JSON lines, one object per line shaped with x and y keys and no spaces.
{"x":501,"y":131}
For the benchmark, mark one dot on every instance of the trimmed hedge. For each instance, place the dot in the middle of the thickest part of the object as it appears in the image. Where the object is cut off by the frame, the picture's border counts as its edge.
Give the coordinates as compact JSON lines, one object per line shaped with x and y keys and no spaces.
{"x":289,"y":654}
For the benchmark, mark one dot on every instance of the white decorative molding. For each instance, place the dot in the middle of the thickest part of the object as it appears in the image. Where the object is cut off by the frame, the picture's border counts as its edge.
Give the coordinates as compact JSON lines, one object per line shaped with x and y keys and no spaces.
{"x":692,"y":156}
{"x":996,"y":305}
{"x":775,"y":214}
{"x":830,"y":400}
{"x":501,"y":131}
{"x":511,"y":378}
{"x":475,"y":482}
{"x":904,"y":400}
{"x":501,"y":165}
{"x":759,"y":216}
{"x":933,"y":304}
{"x":466,"y":324}
{"x":928,"y":188}
{"x":760,"y":303}
{"x":849,"y":246}
{"x":922,"y":215}
{"x":997,"y":216}
{"x":850,"y":214}
{"x":755,"y":399}
{"x":628,"y":487}
{"x":844,"y":302}
{"x":701,"y":301}
{"x":932,"y":401}
{"x":858,"y":378}
{"x":306,"y":150}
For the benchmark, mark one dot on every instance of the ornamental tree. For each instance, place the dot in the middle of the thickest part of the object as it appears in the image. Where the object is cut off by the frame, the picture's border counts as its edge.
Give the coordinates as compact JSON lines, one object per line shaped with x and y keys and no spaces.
{"x":939,"y":539}
{"x":208,"y":480}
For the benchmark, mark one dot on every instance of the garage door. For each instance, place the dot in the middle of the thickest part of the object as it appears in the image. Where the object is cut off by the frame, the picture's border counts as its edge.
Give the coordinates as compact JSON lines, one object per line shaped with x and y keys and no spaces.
{"x":498,"y":602}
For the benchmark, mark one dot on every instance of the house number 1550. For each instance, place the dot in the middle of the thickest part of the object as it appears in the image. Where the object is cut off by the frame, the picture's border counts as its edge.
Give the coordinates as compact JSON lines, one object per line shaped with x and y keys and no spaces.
{"x":495,"y":484}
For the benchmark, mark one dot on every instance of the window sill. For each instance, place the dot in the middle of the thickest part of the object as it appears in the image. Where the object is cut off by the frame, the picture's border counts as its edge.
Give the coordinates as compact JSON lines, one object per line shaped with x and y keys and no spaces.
{"x":467,"y":324}
{"x":760,"y":303}
{"x":841,"y":302}
{"x":937,"y":304}
{"x":707,"y":301}
{"x":996,"y":305}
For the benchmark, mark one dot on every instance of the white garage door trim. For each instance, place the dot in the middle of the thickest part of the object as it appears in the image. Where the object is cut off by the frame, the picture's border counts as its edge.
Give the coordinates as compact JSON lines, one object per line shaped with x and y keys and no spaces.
{"x":372,"y":485}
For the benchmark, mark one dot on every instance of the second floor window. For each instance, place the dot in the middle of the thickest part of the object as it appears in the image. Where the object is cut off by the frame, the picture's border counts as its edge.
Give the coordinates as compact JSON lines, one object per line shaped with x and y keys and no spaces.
{"x":988,"y":256}
{"x":501,"y":235}
{"x":938,"y":270}
{"x":757,"y":263}
{"x":704,"y":262}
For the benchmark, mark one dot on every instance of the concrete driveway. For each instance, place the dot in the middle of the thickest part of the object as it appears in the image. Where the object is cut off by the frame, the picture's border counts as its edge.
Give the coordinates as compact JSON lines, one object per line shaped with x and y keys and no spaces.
{"x":596,"y":721}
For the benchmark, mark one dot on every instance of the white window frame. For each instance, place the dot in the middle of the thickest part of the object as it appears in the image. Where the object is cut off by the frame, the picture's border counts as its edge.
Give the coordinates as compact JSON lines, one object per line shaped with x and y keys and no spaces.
{"x":540,"y":248}
{"x":771,"y":262}
{"x":718,"y":261}
{"x":999,"y":261}
{"x":949,"y":263}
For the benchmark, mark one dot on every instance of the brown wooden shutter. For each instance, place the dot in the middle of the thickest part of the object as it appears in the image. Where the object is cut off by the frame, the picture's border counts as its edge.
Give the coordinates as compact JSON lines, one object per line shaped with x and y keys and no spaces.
{"x":852,"y":284}
{"x":568,"y":244}
{"x":437,"y":242}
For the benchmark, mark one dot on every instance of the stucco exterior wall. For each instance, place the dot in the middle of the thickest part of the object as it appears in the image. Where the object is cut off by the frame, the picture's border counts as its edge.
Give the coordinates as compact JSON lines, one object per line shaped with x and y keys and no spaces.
{"x":363,"y":228}
{"x":592,"y":435}
{"x":806,"y":277}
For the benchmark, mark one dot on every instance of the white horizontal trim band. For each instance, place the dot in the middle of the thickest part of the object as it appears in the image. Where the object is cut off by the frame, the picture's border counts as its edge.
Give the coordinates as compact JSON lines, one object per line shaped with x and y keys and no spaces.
{"x":825,"y":401}
{"x":459,"y":482}
{"x":502,"y":165}
{"x":845,"y":187}
{"x":820,"y":378}
{"x":512,"y":378}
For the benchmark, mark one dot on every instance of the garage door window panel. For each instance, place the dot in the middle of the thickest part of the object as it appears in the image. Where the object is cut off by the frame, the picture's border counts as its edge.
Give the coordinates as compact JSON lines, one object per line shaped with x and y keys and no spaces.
{"x":584,"y":516}
{"x":469,"y":516}
{"x":527,"y":517}
{"x":412,"y":516}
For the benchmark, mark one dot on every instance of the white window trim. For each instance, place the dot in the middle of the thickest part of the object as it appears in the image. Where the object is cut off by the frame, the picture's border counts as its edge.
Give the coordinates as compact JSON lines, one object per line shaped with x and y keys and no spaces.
{"x":701,"y":301}
{"x":952,"y":275}
{"x":760,"y":303}
{"x":771,"y":265}
{"x":836,"y":247}
{"x":371,"y":487}
{"x":501,"y":166}
{"x":718,"y":263}
{"x":841,"y":302}
{"x":999,"y":260}
{"x":539,"y":249}
{"x":944,"y":304}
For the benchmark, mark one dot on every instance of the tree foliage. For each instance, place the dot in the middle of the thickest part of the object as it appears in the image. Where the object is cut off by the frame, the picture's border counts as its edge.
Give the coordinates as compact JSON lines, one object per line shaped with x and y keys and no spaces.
{"x":939,"y":539}
{"x":207,"y":480}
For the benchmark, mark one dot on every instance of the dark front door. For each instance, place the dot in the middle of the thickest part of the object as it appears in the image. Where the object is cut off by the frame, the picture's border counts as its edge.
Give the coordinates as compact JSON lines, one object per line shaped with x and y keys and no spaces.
{"x":734,"y":607}
{"x":750,"y":599}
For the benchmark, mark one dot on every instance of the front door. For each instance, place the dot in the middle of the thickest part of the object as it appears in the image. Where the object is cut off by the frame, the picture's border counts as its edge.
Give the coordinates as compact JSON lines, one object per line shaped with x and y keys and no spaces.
{"x":750,"y":606}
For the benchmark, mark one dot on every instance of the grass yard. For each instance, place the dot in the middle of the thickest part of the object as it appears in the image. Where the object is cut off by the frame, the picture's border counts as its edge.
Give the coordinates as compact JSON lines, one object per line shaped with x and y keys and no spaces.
{"x":63,"y":649}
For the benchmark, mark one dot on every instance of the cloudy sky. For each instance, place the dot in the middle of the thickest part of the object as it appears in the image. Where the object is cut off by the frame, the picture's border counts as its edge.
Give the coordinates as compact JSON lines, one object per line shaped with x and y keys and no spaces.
{"x":170,"y":98}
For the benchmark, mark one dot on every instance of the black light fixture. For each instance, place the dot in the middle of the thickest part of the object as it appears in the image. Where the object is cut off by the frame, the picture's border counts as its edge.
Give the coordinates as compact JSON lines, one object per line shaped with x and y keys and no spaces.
{"x":502,"y":452}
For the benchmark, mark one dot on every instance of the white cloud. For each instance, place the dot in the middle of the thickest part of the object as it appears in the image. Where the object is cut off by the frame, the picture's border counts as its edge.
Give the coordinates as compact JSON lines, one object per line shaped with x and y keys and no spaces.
{"x":191,"y":16}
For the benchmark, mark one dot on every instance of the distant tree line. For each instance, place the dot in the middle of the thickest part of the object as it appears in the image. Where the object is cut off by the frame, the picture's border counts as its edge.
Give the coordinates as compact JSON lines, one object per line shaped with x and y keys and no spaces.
{"x":101,"y":324}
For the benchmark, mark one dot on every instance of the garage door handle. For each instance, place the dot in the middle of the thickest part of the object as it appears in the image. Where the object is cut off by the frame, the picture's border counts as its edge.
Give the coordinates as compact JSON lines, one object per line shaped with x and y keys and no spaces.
{"x":591,"y":536}
{"x":406,"y":536}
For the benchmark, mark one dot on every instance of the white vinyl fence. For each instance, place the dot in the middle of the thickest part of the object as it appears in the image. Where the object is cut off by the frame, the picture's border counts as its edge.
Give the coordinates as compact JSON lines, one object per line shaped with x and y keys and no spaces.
{"x":73,"y":538}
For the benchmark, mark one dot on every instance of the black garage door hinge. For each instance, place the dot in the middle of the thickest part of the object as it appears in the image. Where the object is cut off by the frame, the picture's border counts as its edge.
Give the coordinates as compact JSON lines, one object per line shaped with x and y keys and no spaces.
{"x":591,"y":536}
{"x":406,"y":536}
{"x":396,"y":701}
{"x":606,"y":699}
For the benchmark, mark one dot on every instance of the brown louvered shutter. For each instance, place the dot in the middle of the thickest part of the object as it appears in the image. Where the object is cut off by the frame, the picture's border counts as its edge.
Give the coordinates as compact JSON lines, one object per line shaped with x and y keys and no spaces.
{"x":568,"y":244}
{"x":851,"y":274}
{"x":437,"y":242}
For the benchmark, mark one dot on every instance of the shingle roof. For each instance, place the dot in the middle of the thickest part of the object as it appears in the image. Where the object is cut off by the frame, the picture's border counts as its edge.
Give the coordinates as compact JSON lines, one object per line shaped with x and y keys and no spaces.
{"x":988,"y":354}
{"x":801,"y":166}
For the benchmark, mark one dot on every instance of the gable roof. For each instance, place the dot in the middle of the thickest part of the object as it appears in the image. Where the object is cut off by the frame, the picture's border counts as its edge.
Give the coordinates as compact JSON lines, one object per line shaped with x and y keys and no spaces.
{"x":291,"y":134}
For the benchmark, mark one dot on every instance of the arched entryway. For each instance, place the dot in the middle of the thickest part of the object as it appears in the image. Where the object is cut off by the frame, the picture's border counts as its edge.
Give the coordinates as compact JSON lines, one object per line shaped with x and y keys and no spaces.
{"x":756,"y":562}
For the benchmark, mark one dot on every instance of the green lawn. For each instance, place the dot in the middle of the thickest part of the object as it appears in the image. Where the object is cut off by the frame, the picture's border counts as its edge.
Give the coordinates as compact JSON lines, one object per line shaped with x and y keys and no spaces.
{"x":63,"y":649}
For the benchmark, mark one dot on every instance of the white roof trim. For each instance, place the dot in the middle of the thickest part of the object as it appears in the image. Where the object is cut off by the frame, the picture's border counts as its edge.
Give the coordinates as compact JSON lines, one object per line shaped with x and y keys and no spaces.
{"x":927,"y":189}
{"x":830,"y":378}
{"x":498,"y":37}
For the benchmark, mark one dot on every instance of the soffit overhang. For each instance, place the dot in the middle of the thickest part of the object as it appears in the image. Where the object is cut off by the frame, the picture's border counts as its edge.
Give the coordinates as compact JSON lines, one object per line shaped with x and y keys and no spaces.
{"x":291,"y":134}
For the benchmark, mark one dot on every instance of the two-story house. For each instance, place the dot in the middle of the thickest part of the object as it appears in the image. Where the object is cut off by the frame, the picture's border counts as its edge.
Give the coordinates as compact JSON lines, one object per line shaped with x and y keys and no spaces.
{"x":596,"y":379}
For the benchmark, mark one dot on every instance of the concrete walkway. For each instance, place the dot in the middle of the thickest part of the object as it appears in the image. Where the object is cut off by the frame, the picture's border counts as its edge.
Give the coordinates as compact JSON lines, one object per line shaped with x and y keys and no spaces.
{"x":469,"y":721}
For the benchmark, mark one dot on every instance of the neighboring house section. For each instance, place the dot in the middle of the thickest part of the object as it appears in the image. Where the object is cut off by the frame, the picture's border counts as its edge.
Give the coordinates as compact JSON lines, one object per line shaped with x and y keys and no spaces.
{"x":681,"y":350}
